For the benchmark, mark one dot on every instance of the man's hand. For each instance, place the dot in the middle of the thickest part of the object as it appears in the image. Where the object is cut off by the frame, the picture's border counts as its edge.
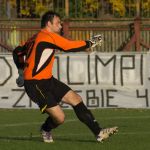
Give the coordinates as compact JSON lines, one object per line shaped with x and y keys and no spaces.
{"x":96,"y":40}
{"x":20,"y":79}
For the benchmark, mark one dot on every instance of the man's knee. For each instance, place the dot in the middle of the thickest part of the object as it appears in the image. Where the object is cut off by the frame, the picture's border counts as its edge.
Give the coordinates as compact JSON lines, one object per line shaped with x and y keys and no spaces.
{"x":78,"y":97}
{"x":56,"y":114}
{"x":59,"y":119}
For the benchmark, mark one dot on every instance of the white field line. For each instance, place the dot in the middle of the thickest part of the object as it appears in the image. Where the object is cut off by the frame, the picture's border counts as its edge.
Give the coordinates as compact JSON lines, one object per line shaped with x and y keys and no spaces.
{"x":72,"y":120}
{"x":128,"y":117}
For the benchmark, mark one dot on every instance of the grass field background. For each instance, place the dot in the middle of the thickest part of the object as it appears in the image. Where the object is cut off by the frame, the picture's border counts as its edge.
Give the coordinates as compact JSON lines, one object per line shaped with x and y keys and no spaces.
{"x":19,"y":130}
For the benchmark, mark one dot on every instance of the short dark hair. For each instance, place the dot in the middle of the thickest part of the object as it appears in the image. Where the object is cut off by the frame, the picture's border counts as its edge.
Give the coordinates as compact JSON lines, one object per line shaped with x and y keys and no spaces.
{"x":48,"y":16}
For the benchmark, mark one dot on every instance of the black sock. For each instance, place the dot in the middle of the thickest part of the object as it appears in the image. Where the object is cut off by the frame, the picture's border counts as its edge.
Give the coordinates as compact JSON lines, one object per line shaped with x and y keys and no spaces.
{"x":49,"y":125}
{"x":86,"y":117}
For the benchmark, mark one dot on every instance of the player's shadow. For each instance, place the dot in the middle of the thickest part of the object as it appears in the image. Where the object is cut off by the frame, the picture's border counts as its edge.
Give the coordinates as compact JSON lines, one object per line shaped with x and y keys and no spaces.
{"x":38,"y":139}
{"x":68,"y":139}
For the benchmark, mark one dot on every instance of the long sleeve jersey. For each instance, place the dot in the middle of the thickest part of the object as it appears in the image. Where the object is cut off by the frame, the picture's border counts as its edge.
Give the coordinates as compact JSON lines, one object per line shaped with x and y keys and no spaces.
{"x":40,"y":51}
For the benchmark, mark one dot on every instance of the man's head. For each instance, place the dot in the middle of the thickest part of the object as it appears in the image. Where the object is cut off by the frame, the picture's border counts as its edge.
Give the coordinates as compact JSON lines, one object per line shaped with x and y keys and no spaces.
{"x":51,"y":21}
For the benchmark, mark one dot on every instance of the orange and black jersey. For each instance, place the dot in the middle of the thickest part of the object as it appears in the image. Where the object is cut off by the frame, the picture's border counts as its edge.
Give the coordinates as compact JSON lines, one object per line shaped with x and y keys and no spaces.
{"x":22,"y":51}
{"x":40,"y":54}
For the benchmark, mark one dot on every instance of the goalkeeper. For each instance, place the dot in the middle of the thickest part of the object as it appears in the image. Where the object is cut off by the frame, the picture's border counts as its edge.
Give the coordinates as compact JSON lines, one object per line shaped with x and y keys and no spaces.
{"x":45,"y":90}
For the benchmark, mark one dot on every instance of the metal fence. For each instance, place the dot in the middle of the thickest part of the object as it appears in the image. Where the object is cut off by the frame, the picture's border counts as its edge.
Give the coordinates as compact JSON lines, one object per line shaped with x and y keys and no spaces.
{"x":116,"y":33}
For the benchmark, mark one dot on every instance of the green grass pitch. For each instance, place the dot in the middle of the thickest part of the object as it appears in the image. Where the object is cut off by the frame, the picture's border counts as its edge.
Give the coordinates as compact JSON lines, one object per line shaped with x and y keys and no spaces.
{"x":19,"y":130}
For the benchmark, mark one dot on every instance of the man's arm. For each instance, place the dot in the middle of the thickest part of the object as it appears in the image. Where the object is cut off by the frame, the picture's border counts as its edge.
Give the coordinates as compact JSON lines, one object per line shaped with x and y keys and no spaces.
{"x":64,"y":44}
{"x":18,"y":57}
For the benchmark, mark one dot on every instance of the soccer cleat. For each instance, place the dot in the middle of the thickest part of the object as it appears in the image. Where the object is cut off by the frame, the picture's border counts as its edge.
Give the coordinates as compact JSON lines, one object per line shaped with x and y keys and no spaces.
{"x":47,"y":137}
{"x":105,"y":133}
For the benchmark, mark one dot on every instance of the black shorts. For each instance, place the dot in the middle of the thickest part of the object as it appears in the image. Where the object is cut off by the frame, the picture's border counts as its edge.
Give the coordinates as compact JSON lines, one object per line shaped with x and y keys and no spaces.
{"x":46,"y":93}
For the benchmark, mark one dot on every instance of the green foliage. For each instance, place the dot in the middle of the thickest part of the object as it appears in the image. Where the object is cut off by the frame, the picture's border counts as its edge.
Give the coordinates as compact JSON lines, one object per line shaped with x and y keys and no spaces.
{"x":90,"y":7}
{"x":40,"y":9}
{"x":33,"y":8}
{"x":146,"y":7}
{"x":82,"y":8}
{"x":118,"y":7}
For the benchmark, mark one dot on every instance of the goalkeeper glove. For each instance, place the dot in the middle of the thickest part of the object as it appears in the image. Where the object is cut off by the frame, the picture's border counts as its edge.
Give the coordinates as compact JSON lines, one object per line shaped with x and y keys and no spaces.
{"x":96,"y":40}
{"x":20,"y":79}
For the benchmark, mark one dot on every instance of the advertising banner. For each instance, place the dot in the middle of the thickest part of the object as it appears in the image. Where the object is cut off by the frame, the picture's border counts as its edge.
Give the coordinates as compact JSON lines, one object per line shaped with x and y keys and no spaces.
{"x":104,"y":80}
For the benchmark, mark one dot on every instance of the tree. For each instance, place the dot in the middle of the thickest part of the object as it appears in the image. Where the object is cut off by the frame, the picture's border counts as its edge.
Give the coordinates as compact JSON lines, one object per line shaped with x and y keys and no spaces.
{"x":118,"y":7}
{"x":84,"y":8}
{"x":74,"y":9}
{"x":145,"y":7}
{"x":33,"y":8}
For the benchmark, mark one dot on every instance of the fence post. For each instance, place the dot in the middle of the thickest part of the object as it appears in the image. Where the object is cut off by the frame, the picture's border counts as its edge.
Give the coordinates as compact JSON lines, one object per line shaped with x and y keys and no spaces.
{"x":66,"y":28}
{"x":135,"y":39}
{"x":67,"y":8}
{"x":137,"y":33}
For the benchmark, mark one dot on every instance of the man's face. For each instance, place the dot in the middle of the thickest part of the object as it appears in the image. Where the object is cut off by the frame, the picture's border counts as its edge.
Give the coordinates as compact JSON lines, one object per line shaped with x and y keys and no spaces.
{"x":55,"y":26}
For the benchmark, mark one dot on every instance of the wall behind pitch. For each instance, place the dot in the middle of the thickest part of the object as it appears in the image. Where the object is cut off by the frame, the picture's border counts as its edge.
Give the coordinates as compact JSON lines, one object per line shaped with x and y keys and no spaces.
{"x":102,"y":79}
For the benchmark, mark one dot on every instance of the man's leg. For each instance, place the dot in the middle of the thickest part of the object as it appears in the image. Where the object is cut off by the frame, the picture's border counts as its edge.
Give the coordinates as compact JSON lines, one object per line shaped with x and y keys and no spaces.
{"x":86,"y":116}
{"x":82,"y":112}
{"x":55,"y":118}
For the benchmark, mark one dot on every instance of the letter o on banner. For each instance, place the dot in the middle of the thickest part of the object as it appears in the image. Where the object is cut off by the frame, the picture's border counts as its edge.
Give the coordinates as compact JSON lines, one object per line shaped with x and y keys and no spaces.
{"x":6,"y":71}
